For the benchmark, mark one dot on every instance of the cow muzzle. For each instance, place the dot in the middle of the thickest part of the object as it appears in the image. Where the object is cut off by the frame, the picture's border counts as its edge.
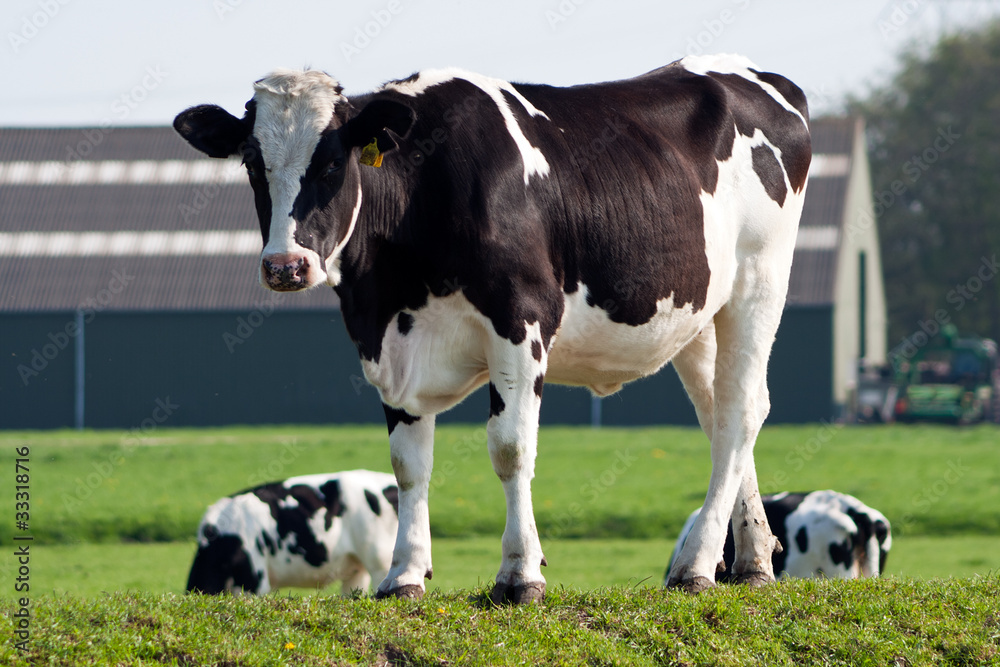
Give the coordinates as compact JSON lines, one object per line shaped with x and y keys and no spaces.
{"x":291,"y":272}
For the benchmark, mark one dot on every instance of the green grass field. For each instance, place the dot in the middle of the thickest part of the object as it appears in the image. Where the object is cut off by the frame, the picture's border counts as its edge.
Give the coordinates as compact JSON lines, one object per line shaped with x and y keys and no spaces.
{"x":91,"y":570}
{"x":628,"y":483}
{"x":113,"y":517}
{"x":110,"y":511}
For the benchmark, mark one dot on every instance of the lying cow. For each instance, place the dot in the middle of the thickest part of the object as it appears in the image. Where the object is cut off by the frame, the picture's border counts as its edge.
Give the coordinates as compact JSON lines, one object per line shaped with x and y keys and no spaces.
{"x":822,"y":533}
{"x":306,"y":531}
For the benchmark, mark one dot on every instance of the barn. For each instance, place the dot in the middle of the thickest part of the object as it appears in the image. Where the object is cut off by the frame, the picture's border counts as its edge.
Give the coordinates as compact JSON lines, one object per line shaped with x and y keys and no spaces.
{"x":130,"y":298}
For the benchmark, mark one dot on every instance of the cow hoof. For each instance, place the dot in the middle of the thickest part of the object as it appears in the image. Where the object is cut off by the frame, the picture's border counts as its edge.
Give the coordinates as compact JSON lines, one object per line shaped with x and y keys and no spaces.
{"x":693,"y":585}
{"x":517,"y":593}
{"x":753,"y":578}
{"x":409,"y":592}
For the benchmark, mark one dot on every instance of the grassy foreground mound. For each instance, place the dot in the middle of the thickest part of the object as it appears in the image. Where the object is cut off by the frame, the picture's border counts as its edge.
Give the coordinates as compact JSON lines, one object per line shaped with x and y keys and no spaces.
{"x":889,"y":621}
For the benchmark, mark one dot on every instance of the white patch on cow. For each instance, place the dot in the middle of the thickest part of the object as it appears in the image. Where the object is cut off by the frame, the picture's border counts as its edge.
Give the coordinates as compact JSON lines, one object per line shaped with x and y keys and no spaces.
{"x":593,"y":351}
{"x":292,"y":111}
{"x":535,"y":163}
{"x":729,"y":63}
{"x":439,"y":362}
{"x":333,"y":274}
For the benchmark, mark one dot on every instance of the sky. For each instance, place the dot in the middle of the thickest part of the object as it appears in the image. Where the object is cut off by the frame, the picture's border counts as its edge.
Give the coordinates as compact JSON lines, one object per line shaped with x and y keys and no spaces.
{"x":102,"y":62}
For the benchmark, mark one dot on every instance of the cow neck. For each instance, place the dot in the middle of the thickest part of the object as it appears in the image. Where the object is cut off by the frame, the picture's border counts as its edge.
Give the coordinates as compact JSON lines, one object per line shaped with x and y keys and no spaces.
{"x":379,"y":272}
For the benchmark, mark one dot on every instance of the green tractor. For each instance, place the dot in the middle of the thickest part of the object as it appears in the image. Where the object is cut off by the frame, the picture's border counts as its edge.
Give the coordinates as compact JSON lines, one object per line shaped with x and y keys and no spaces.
{"x":950,"y":379}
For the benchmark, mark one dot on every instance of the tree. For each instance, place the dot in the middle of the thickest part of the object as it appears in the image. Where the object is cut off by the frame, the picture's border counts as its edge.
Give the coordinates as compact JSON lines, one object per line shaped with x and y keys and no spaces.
{"x":934,"y":148}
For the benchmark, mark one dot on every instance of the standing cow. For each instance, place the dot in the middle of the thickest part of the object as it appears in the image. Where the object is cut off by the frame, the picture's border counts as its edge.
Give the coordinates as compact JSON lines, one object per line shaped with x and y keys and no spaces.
{"x":822,"y":534}
{"x":304,"y":532}
{"x":516,"y":234}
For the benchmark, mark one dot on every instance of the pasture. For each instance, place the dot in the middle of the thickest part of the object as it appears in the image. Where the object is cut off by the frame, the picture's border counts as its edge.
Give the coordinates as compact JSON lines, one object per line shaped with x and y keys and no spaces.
{"x":115,"y":513}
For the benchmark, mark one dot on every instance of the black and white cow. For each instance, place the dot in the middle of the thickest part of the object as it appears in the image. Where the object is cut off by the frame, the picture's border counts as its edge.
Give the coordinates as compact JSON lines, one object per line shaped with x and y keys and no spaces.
{"x":822,"y":534}
{"x":304,"y":532}
{"x":520,"y":234}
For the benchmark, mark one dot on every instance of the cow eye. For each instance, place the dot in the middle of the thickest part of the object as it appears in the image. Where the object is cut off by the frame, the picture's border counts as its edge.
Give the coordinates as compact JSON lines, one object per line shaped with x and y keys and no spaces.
{"x":251,"y":172}
{"x":333,"y":168}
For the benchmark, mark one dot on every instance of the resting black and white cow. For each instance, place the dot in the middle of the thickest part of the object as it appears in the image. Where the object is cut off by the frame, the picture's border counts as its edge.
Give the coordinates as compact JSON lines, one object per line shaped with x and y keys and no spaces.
{"x":823,"y":534}
{"x":520,"y":234}
{"x":304,"y":532}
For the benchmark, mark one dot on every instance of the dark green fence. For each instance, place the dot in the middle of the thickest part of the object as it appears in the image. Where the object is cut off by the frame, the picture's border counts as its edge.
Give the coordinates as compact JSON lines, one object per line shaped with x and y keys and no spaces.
{"x":136,"y":369}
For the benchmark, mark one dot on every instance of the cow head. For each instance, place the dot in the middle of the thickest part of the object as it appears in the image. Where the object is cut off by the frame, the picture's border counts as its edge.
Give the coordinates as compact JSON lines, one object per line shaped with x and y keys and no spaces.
{"x":299,"y":139}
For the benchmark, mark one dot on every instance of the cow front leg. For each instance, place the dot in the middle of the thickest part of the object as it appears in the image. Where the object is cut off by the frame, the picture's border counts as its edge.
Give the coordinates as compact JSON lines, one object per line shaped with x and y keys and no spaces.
{"x":516,"y":378}
{"x":411,"y":447}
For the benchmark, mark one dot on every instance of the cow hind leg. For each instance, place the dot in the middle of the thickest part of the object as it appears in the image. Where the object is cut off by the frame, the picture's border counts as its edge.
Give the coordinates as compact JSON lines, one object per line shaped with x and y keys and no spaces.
{"x":516,"y":377}
{"x":752,"y":537}
{"x":695,"y":366}
{"x":745,"y":329}
{"x":411,"y":443}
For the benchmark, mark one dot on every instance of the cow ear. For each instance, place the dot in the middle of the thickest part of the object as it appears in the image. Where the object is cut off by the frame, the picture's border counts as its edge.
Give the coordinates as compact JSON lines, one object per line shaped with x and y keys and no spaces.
{"x":212,"y":130}
{"x":375,"y":122}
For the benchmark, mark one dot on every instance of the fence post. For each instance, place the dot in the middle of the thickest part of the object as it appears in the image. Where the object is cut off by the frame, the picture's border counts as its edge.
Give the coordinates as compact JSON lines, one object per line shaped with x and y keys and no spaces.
{"x":595,"y":412}
{"x":79,"y":377}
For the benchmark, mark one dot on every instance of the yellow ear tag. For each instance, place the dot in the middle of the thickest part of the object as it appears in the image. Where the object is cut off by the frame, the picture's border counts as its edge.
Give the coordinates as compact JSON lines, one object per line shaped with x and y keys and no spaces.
{"x":370,"y":155}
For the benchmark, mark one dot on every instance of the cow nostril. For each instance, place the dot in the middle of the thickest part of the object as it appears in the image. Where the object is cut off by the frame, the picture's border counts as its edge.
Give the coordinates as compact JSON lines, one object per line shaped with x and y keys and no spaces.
{"x":289,"y":272}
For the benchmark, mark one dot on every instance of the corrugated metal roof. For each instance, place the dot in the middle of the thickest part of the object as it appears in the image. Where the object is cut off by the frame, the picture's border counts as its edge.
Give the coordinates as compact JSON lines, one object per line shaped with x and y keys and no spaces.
{"x":134,"y":183}
{"x":149,"y":206}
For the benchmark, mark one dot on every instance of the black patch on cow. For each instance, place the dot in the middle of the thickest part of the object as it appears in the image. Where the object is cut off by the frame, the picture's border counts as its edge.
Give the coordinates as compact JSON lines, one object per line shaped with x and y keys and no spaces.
{"x":373,"y":502}
{"x":728,"y":557}
{"x":866,"y":530}
{"x":393,"y":416}
{"x":293,"y":519}
{"x":496,"y":401}
{"x":332,"y":502}
{"x":792,"y":93}
{"x":268,"y":543}
{"x":864,"y":524}
{"x":391,"y":494}
{"x":802,"y":539}
{"x":842,"y":553}
{"x":404,"y":323}
{"x":536,"y":350}
{"x":539,"y":384}
{"x":771,"y":176}
{"x":224,"y":558}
